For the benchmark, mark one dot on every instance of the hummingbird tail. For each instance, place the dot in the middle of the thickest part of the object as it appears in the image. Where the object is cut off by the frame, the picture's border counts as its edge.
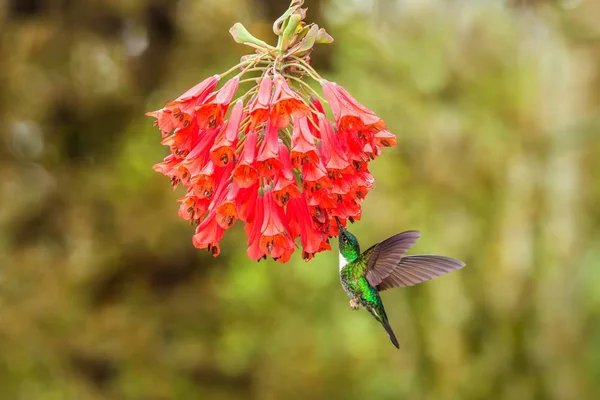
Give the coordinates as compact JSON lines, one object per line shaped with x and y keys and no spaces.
{"x":390,"y":332}
{"x":379,"y":313}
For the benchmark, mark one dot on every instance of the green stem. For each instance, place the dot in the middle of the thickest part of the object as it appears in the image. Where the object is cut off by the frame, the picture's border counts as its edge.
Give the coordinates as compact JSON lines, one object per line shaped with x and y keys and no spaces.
{"x":313,"y":122}
{"x":311,"y":105}
{"x":249,"y":80}
{"x":315,"y":111}
{"x":272,"y":50}
{"x":250,"y":66}
{"x":230,"y":70}
{"x":306,"y":85}
{"x":279,"y":24}
{"x":245,"y":123}
{"x":300,"y":66}
{"x":250,"y":91}
{"x":307,"y":68}
{"x":286,"y":138}
{"x":264,"y":72}
{"x":240,"y":145}
{"x":265,"y":60}
{"x":273,"y":66}
{"x":253,"y":69}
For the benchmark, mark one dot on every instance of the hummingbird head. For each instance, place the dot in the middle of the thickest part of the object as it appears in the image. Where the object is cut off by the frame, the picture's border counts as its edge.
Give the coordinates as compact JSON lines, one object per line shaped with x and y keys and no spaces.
{"x":348,"y":243}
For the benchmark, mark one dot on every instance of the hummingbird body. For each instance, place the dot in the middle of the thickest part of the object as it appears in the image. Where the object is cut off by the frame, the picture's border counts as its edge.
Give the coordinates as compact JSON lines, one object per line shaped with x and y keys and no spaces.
{"x":353,"y":271}
{"x":384,"y":266}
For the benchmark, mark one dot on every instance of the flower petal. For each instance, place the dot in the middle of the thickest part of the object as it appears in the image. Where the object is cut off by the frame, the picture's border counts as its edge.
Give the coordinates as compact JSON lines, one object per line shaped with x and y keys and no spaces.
{"x":303,"y":143}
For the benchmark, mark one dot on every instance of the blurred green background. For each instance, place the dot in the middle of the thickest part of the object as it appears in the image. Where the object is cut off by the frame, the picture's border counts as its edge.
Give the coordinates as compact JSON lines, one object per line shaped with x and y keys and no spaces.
{"x":496,"y":105}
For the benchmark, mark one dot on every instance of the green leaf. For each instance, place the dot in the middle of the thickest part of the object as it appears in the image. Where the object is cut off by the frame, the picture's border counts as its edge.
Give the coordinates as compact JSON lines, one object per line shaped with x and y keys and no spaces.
{"x":241,"y":35}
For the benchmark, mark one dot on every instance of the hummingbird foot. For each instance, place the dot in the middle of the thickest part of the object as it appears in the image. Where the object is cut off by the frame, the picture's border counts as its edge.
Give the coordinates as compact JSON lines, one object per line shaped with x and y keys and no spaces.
{"x":354,"y":304}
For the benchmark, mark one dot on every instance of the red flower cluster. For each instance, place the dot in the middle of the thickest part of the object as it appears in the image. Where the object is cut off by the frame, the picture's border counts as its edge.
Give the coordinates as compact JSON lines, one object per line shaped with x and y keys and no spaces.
{"x":271,"y":158}
{"x":276,"y":163}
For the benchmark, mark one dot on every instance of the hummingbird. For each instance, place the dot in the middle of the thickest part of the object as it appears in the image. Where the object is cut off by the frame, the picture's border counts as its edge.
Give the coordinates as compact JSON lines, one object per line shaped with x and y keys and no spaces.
{"x":382,"y":266}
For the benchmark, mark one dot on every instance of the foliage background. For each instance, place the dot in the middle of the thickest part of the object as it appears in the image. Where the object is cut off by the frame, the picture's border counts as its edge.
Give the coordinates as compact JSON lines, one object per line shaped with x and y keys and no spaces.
{"x":496,"y":108}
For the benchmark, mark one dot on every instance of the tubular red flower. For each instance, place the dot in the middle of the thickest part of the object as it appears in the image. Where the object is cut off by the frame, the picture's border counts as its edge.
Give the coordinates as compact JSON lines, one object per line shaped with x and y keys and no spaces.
{"x":285,"y":103}
{"x":171,"y":167}
{"x":310,"y":237}
{"x":285,"y":187}
{"x":347,"y":208}
{"x":260,"y":104}
{"x":385,"y":138}
{"x":320,"y":217}
{"x":246,"y":203}
{"x":253,"y":231}
{"x":285,"y":257}
{"x":204,"y":182}
{"x":208,"y":234}
{"x":210,"y":113}
{"x":227,"y":211}
{"x":167,"y":120}
{"x":179,"y":112}
{"x":268,"y":162}
{"x":333,"y":154}
{"x":362,"y":184}
{"x":303,"y":143}
{"x":314,"y":176}
{"x":221,"y":183}
{"x":187,"y":102}
{"x":183,"y":139}
{"x":210,"y":183}
{"x":341,"y":185}
{"x":321,"y":198}
{"x":192,"y":208}
{"x":223,"y":150}
{"x":349,"y":114}
{"x":275,"y":239}
{"x":284,"y":190}
{"x":370,"y":151}
{"x":245,"y":173}
{"x":198,"y":157}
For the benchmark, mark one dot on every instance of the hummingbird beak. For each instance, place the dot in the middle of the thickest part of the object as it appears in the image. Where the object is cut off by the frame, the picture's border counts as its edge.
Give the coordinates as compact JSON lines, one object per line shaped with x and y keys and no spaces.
{"x":340,"y":227}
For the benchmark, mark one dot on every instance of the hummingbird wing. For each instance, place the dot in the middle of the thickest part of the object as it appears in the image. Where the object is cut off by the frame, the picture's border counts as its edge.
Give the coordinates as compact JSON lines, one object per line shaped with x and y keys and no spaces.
{"x":416,"y":269}
{"x":383,"y":258}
